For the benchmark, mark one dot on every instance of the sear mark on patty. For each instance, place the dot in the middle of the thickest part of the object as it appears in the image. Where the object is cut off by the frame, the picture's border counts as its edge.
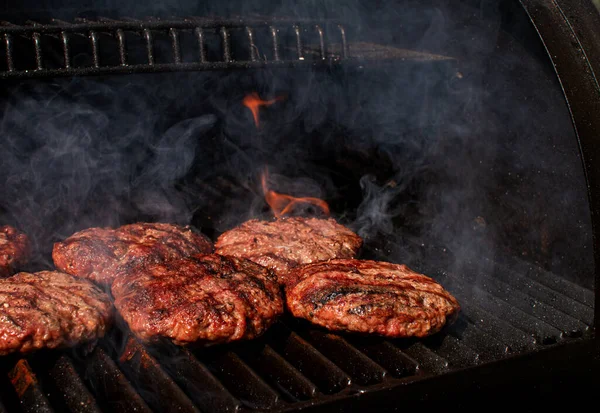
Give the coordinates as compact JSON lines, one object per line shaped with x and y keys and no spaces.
{"x":205,"y":299}
{"x":101,"y":254}
{"x":370,"y":297}
{"x":50,"y":309}
{"x":285,"y":243}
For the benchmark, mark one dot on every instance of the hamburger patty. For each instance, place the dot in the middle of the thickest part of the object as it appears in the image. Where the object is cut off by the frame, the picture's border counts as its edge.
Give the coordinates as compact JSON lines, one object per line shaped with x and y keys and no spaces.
{"x":206,"y":299}
{"x":14,"y":250}
{"x":370,"y":297}
{"x":288,"y":242}
{"x":50,"y":309}
{"x":100,"y":253}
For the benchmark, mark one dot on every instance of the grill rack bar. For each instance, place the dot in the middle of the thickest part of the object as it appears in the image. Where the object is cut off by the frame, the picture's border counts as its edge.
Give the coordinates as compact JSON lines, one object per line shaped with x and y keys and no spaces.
{"x":109,"y":47}
{"x":119,"y":38}
{"x":64,"y":380}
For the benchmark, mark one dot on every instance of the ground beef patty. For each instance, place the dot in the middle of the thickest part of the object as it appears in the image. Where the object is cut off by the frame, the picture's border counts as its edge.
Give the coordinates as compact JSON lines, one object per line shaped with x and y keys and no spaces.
{"x":288,"y":242}
{"x":204,"y":299}
{"x":50,"y":309}
{"x":370,"y":297}
{"x":101,"y":253}
{"x":14,"y":250}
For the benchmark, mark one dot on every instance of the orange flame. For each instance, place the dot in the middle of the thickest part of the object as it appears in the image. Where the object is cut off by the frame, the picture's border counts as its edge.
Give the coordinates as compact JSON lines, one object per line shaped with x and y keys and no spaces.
{"x":282,"y":204}
{"x":253,"y":102}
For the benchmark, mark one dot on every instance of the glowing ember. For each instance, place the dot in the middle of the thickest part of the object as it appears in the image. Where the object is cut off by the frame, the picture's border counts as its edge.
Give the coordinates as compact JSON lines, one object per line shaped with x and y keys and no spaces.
{"x":253,"y":102}
{"x":282,"y":204}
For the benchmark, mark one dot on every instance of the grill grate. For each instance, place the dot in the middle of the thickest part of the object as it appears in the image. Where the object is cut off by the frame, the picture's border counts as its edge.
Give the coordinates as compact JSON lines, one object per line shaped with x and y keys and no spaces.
{"x":107,"y":46}
{"x":512,"y":308}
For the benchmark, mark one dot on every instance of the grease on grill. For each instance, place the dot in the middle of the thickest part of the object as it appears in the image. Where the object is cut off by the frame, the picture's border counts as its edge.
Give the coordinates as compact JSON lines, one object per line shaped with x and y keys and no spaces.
{"x":22,"y":377}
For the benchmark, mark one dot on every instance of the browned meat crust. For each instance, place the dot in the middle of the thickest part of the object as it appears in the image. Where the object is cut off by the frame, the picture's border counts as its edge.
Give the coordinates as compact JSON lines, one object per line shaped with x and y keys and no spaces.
{"x":286,"y":243}
{"x":100,"y":253}
{"x":204,"y":299}
{"x":370,"y":297}
{"x":14,"y":250}
{"x":50,"y":309}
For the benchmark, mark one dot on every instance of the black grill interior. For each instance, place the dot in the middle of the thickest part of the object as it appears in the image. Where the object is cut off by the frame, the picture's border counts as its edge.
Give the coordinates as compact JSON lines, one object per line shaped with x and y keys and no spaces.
{"x":444,"y":141}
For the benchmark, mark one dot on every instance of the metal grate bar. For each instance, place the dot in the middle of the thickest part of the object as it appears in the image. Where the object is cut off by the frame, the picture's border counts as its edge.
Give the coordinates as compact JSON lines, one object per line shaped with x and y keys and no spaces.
{"x":275,"y":38}
{"x":450,"y":348}
{"x":110,"y":387}
{"x":201,"y":49}
{"x":130,"y":24}
{"x":321,"y":41}
{"x":9,"y":52}
{"x":66,"y":53}
{"x":428,"y":361}
{"x":542,"y":331}
{"x":38,"y":51}
{"x":252,"y":45}
{"x":153,"y":68}
{"x":158,"y":389}
{"x":518,"y":331}
{"x":510,"y":336}
{"x":195,"y":379}
{"x":70,"y":388}
{"x":388,"y":356}
{"x":309,"y":361}
{"x":553,"y":281}
{"x":547,"y":295}
{"x":344,"y":42}
{"x":226,"y":44}
{"x":487,"y":347}
{"x":528,"y":304}
{"x":529,"y":301}
{"x":175,"y":45}
{"x":298,"y":33}
{"x":362,"y":370}
{"x":122,"y":47}
{"x":240,"y":379}
{"x":28,"y":389}
{"x":95,"y":54}
{"x":279,"y":373}
{"x":149,"y":46}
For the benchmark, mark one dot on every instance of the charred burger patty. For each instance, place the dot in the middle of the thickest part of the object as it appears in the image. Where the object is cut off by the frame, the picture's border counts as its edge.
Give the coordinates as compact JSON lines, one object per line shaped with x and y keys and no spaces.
{"x":50,"y":309}
{"x":370,"y":297}
{"x":286,"y":243}
{"x":100,"y":253}
{"x":14,"y":249}
{"x":205,"y":299}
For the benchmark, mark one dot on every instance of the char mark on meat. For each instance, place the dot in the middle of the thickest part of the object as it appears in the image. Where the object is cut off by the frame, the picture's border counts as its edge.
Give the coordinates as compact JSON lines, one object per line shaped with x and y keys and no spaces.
{"x":101,"y":254}
{"x":283,"y":244}
{"x":50,"y":309}
{"x":203,"y":299}
{"x":370,"y":297}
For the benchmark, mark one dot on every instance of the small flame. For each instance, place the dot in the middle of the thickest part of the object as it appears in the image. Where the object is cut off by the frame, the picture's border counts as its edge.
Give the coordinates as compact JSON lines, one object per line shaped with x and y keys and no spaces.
{"x":253,"y":102}
{"x":282,"y":204}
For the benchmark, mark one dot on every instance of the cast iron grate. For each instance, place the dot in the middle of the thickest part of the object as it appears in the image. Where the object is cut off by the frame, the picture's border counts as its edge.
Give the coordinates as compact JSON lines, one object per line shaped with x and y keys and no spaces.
{"x":512,"y":308}
{"x":107,"y":46}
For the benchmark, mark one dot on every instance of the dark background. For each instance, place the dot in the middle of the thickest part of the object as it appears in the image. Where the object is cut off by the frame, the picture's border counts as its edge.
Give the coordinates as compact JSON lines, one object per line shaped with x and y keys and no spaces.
{"x":479,"y":156}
